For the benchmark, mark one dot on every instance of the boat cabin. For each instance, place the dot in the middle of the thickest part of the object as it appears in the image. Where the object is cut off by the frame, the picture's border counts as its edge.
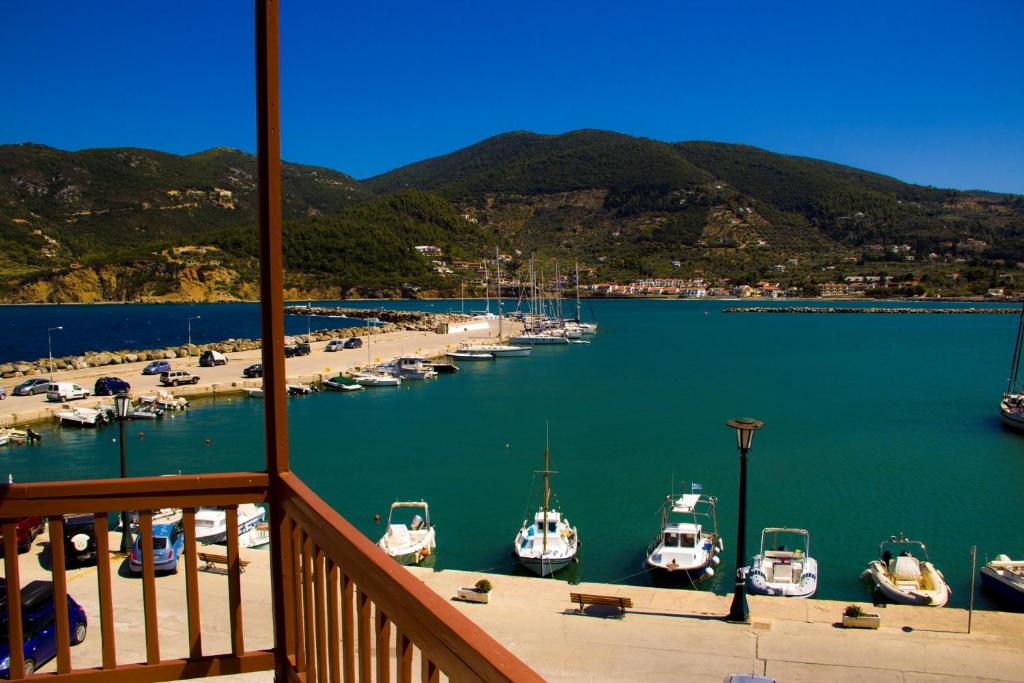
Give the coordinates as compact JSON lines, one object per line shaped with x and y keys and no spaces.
{"x":682,"y":536}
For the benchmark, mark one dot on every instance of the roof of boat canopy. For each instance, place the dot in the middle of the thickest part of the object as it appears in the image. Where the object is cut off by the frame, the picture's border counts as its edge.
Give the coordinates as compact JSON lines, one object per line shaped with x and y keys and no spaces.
{"x":409,"y":504}
{"x":686,"y":503}
{"x":552,"y":515}
{"x":682,"y":528}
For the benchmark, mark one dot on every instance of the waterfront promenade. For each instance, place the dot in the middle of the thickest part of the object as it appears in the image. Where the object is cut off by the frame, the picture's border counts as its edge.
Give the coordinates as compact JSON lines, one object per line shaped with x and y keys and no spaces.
{"x":669,"y":634}
{"x":223,"y":379}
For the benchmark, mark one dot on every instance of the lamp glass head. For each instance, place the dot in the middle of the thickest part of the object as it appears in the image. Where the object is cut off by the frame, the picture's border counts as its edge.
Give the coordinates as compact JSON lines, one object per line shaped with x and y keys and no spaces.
{"x":121,"y":403}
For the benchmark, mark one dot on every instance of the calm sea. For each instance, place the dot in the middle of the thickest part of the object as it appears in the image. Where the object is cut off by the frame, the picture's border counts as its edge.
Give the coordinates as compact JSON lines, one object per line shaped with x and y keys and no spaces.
{"x":874,"y":425}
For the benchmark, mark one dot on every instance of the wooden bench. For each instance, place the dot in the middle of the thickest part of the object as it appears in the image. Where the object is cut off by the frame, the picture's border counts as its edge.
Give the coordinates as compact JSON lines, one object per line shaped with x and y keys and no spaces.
{"x":583,"y":599}
{"x":212,"y":560}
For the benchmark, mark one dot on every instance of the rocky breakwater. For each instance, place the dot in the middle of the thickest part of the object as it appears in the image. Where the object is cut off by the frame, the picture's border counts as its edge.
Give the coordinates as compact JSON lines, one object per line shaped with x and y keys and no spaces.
{"x":419,"y":321}
{"x":874,"y":309}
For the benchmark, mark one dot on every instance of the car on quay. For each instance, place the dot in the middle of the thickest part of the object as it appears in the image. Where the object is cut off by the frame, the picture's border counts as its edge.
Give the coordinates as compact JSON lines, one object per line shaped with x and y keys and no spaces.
{"x":175,"y":377}
{"x":168,"y":544}
{"x":109,"y":386}
{"x":26,"y":529}
{"x":31,"y":387}
{"x":254,"y":370}
{"x":39,"y":626}
{"x":335,"y":345}
{"x":157,"y":367}
{"x":64,"y":391}
{"x":79,"y":540}
{"x":211,"y":358}
{"x":353,"y":343}
{"x":297,"y":350}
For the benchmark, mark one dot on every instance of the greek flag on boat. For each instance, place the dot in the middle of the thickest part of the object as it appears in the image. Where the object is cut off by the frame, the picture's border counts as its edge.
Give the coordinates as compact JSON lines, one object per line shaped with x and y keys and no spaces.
{"x":694,"y":487}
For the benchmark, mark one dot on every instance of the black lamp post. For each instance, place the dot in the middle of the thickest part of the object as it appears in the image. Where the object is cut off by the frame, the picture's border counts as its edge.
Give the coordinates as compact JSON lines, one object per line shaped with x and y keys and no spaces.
{"x":745,"y":428}
{"x":121,"y":405}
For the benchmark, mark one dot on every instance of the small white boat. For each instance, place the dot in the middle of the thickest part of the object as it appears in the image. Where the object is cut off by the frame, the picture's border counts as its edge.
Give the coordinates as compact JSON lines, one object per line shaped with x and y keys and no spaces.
{"x":256,"y":537}
{"x":1011,"y":406}
{"x":1011,"y":411}
{"x":4,"y":439}
{"x":498,"y":350}
{"x":413,"y":367}
{"x":779,"y":570}
{"x":377,"y":379}
{"x":19,"y":436}
{"x":86,"y":417}
{"x":211,"y":523}
{"x":906,"y":579}
{"x":469,"y":355}
{"x":588,"y":328}
{"x":544,"y":337}
{"x":300,"y":389}
{"x":410,"y":543}
{"x":253,"y":392}
{"x":1004,"y":579}
{"x":146,"y":412}
{"x":685,"y":550}
{"x":342,"y":383}
{"x":166,"y":401}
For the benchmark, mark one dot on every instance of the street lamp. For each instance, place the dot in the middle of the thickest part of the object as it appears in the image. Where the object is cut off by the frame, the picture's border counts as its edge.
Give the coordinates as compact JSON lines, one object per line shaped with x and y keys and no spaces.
{"x":745,"y":428}
{"x":195,"y":317}
{"x":122,"y":403}
{"x":49,"y":346}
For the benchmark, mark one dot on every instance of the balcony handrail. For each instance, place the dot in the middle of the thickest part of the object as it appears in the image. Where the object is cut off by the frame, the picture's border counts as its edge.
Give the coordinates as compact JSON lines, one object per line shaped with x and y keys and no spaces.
{"x":459,"y":646}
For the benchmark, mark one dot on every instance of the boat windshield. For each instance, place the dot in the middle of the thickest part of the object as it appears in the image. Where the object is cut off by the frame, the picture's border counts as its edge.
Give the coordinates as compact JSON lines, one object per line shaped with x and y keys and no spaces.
{"x":671,"y":540}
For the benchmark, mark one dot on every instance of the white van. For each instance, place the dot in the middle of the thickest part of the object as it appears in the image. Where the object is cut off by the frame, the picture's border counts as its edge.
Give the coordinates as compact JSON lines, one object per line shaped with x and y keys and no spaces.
{"x":65,"y":391}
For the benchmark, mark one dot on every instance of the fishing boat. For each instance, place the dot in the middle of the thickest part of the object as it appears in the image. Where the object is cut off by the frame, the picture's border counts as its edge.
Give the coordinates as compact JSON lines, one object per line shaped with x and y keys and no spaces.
{"x":906,"y":579}
{"x":549,"y":542}
{"x":342,"y":383}
{"x":1011,"y":406}
{"x":211,"y":522}
{"x":413,"y":367}
{"x":497,"y":350}
{"x":685,"y":549}
{"x":1004,"y":579}
{"x":784,"y":570}
{"x":469,"y":355}
{"x":86,"y":417}
{"x":412,"y":542}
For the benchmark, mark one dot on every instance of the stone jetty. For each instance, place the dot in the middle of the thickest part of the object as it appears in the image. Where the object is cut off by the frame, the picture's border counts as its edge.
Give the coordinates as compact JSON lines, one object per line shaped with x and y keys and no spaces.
{"x":872,"y":309}
{"x":405,"y":320}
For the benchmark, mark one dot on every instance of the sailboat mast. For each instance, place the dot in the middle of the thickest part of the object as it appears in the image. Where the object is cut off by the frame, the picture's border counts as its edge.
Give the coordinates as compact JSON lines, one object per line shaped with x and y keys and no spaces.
{"x":578,"y":316}
{"x":1015,"y":365}
{"x":547,"y":485}
{"x":497,"y":265}
{"x":487,"y":289}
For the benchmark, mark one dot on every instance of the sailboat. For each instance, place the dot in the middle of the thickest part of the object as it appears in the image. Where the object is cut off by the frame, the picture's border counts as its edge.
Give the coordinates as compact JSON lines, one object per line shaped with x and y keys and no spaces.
{"x":585,"y":328}
{"x":549,"y":543}
{"x":374,"y":376}
{"x":496,"y":350}
{"x":1011,"y":407}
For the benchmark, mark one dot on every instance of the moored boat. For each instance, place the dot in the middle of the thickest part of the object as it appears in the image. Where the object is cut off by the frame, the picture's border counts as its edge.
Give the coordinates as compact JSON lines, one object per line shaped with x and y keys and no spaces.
{"x":498,"y":350}
{"x":1011,"y":406}
{"x":211,"y":522}
{"x":412,"y":542}
{"x":686,"y":550}
{"x":781,"y":571}
{"x":86,"y":417}
{"x":469,"y":355}
{"x":342,"y":383}
{"x":166,"y":401}
{"x":542,"y":338}
{"x":413,"y":367}
{"x":1003,"y":578}
{"x":906,"y":579}
{"x":376,"y":378}
{"x":146,"y":412}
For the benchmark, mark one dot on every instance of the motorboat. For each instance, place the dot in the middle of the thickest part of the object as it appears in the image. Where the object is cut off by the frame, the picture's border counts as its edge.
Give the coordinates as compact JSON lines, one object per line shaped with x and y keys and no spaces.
{"x":166,"y":401}
{"x":687,"y":546}
{"x":376,"y":378}
{"x":413,"y":367}
{"x":783,"y":570}
{"x":1004,"y":579}
{"x":253,"y":392}
{"x":300,"y":389}
{"x":547,"y":543}
{"x":442,"y":368}
{"x":19,"y":436}
{"x":412,"y":542}
{"x":904,"y":578}
{"x":145,"y":412}
{"x":1011,"y":406}
{"x":342,"y":383}
{"x":588,"y":328}
{"x":498,"y":350}
{"x":544,"y":337}
{"x":211,"y":522}
{"x":86,"y":417}
{"x":469,"y":355}
{"x":256,"y":537}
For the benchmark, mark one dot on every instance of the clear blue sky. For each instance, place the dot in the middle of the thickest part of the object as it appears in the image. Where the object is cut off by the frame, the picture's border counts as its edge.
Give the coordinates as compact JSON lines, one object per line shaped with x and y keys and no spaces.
{"x":930,"y":92}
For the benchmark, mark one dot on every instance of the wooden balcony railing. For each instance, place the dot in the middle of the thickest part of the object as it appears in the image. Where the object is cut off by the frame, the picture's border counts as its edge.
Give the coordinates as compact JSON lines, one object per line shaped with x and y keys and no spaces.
{"x":351,"y":612}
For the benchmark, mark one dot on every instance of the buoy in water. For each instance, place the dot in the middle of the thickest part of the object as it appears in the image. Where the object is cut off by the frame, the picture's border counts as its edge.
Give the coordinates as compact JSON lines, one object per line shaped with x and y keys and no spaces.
{"x":208,"y":441}
{"x":376,"y":518}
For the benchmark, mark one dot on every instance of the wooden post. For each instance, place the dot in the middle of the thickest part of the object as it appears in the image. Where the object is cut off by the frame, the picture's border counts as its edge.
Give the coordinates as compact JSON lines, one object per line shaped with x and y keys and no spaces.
{"x":970,"y":606}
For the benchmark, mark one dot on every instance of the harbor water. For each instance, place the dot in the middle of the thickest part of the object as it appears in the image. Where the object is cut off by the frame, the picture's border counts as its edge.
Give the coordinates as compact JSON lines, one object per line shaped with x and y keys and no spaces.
{"x":874,"y":425}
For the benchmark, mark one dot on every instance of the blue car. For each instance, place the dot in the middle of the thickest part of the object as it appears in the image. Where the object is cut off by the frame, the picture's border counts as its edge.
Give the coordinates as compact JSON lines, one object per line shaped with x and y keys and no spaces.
{"x":156,"y":367}
{"x":108,"y":386}
{"x":39,"y":627}
{"x":168,"y":543}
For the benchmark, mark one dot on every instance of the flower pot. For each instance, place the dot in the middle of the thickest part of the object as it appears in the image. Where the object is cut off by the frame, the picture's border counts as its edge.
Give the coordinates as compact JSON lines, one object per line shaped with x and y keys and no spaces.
{"x":866,"y":620}
{"x":473,"y":595}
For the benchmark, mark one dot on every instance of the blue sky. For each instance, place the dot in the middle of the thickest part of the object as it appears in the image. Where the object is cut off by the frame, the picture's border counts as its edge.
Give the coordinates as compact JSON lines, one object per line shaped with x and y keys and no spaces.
{"x":930,"y":92}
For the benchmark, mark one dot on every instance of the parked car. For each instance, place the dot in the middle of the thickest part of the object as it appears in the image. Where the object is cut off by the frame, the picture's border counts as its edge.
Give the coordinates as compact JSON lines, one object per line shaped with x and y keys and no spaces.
{"x":157,"y":367}
{"x":79,"y":540}
{"x":108,"y":386}
{"x":39,"y":628}
{"x":64,"y":391}
{"x":31,"y":387}
{"x":168,"y":543}
{"x":296,"y":350}
{"x":176,"y":377}
{"x":353,"y":343}
{"x":211,"y":358}
{"x":26,"y":529}
{"x":254,"y":370}
{"x":335,"y":345}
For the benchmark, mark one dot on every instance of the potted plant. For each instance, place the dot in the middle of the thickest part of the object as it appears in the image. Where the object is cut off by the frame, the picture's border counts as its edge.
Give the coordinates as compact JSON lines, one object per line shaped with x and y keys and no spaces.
{"x":481,"y":592}
{"x":855,"y":617}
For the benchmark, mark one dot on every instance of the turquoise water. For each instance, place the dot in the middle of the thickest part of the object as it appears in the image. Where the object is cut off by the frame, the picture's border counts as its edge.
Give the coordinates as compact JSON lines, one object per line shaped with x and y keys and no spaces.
{"x":875,"y":424}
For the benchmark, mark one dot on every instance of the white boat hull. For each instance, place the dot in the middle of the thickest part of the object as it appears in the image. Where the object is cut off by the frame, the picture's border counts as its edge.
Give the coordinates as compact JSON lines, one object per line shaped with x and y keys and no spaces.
{"x":937,"y":595}
{"x":538,"y":340}
{"x":802,"y":586}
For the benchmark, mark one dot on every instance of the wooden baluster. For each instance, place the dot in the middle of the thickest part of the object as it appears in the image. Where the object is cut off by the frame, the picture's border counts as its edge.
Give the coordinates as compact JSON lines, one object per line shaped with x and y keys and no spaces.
{"x":403,"y":657}
{"x":149,"y":586}
{"x":307,"y":606}
{"x":297,"y":572}
{"x":333,"y":636}
{"x":195,"y":633}
{"x":363,"y":626}
{"x":320,"y":612}
{"x":348,"y":629}
{"x":383,"y":628}
{"x":101,"y":529}
{"x":234,"y":581}
{"x":60,"y":594}
{"x":14,"y":633}
{"x":429,"y":673}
